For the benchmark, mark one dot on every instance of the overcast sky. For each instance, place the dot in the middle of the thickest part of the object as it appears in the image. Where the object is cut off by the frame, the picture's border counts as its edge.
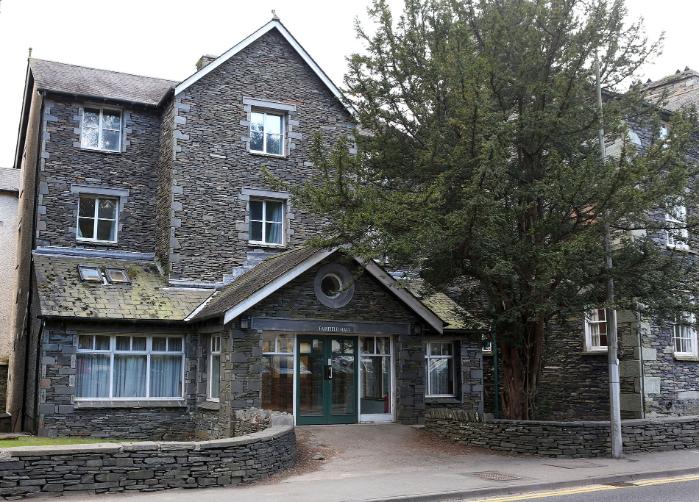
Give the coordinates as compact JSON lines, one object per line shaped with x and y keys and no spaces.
{"x":164,"y":38}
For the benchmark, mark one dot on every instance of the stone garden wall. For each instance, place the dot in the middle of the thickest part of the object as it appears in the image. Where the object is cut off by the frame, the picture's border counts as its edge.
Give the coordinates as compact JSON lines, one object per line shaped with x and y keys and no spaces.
{"x":148,"y":466}
{"x":562,"y":439}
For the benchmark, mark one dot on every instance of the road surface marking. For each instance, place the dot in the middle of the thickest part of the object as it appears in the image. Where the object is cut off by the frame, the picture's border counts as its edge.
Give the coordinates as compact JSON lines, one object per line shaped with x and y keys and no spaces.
{"x":591,"y":489}
{"x":551,"y":493}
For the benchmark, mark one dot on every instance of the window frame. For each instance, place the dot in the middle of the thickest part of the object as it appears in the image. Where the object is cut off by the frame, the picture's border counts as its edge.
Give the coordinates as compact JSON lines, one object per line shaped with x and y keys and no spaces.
{"x":264,"y":222}
{"x":589,"y":346}
{"x":100,"y":128}
{"x":688,"y":325}
{"x":212,"y":353}
{"x":95,"y":218}
{"x":682,"y":233}
{"x":149,"y":352}
{"x":429,"y":356}
{"x":276,"y":352}
{"x":282,"y":118}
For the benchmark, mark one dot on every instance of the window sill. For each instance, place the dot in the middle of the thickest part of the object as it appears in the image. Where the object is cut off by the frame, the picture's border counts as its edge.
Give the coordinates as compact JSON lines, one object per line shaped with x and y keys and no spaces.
{"x":270,"y":155}
{"x":97,"y":150}
{"x":442,"y":400}
{"x":209,"y":405}
{"x":135,"y":403}
{"x":683,"y":357}
{"x":264,"y":245}
{"x":602,"y":352}
{"x":97,"y":243}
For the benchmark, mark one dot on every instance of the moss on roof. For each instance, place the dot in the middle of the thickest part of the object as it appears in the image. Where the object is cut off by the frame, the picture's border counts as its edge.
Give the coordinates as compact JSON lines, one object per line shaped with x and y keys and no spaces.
{"x":147,"y":297}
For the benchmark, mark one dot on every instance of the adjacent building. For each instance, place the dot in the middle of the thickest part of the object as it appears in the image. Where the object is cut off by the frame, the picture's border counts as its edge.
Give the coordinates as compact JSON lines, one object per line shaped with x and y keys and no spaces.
{"x":164,"y":286}
{"x":9,"y":194}
{"x":659,"y":358}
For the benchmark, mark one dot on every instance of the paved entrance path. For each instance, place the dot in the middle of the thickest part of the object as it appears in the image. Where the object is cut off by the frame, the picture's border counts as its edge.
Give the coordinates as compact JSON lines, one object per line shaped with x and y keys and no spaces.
{"x":375,"y":462}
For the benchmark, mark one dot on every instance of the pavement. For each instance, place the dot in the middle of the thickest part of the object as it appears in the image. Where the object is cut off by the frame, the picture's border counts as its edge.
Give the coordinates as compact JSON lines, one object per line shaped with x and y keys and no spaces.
{"x":397,"y":462}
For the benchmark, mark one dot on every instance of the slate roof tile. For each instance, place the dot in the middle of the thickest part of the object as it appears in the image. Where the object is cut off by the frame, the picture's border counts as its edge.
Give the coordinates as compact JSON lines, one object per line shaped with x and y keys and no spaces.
{"x":146,"y":297}
{"x":92,"y":82}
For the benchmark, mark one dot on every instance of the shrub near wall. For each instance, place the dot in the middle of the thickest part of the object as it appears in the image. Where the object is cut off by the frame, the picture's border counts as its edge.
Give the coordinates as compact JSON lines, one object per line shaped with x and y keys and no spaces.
{"x":149,"y":466}
{"x":562,"y":439}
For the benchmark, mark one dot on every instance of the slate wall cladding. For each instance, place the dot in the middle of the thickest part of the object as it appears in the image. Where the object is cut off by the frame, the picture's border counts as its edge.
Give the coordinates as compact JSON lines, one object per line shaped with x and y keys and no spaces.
{"x":65,"y":164}
{"x":59,"y":415}
{"x":108,"y":468}
{"x":563,"y":439}
{"x":212,"y":163}
{"x":670,"y":383}
{"x":371,"y":300}
{"x":163,"y":211}
{"x":574,"y":383}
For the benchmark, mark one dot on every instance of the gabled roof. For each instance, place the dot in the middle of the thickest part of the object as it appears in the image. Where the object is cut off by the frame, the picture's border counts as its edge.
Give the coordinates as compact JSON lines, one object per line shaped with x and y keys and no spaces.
{"x":147,"y":297}
{"x":274,"y":24}
{"x":252,"y":284}
{"x":10,"y":179}
{"x":99,"y":84}
{"x":275,"y":272}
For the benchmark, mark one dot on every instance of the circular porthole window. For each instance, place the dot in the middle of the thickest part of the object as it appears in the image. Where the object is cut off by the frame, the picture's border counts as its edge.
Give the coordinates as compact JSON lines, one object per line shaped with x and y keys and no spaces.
{"x":331,"y":285}
{"x":334,"y":285}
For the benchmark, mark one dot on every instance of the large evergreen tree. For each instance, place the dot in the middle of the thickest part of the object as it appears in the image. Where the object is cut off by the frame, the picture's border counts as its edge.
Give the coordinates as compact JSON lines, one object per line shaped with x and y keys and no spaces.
{"x":477,"y":159}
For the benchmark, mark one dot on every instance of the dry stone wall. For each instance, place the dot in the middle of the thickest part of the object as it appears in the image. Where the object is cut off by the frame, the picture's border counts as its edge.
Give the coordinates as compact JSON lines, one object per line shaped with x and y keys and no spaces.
{"x":562,"y":439}
{"x":100,"y":468}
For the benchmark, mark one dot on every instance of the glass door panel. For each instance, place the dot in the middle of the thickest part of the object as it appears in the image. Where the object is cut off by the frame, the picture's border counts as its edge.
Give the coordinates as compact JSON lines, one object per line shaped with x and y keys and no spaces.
{"x":376,"y":379}
{"x":327,"y":380}
{"x":343,"y":384}
{"x":311,"y":356}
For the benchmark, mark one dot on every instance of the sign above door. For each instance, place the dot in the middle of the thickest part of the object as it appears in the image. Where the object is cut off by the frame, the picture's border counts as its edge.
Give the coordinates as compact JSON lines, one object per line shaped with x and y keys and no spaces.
{"x":330,"y":327}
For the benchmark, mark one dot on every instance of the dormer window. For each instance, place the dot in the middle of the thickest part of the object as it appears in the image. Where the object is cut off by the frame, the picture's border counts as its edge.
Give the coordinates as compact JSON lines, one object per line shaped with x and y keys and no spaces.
{"x":97,"y":219}
{"x":100,"y":129}
{"x":267,"y":132}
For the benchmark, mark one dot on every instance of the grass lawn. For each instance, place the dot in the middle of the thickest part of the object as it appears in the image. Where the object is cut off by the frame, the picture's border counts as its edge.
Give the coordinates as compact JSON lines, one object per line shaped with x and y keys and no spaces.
{"x":42,"y":441}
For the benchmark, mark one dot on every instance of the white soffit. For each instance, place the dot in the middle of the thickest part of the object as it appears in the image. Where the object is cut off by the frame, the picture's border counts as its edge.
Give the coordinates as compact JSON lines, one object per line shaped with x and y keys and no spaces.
{"x":276,"y":284}
{"x":274,"y":23}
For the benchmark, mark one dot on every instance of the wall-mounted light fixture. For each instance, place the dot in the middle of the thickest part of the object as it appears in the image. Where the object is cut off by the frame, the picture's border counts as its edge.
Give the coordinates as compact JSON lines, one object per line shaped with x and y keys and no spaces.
{"x":244,"y":322}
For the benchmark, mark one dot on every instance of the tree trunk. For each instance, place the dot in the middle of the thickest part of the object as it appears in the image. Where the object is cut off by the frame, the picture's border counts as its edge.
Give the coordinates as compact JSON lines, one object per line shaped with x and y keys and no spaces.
{"x":521,"y":367}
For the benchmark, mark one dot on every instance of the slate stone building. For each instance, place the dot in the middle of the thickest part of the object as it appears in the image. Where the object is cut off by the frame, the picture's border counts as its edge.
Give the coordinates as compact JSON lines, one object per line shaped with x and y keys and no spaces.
{"x":659,"y":358}
{"x":164,"y":289}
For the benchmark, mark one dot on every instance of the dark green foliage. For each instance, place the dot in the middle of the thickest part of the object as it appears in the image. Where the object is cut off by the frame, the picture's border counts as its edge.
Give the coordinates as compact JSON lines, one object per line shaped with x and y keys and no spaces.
{"x":477,"y":159}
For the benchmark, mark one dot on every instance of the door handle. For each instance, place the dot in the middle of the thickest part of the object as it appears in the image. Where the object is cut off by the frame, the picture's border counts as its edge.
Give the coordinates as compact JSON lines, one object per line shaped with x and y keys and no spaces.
{"x":328,"y":372}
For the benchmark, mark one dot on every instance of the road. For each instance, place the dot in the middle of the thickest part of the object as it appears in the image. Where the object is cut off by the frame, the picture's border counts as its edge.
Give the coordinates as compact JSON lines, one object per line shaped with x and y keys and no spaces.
{"x":677,"y":489}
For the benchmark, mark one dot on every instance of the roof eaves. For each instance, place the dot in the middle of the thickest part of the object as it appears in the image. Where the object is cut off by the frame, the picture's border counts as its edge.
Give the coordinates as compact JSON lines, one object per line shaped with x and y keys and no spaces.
{"x":147,"y":104}
{"x":276,"y":284}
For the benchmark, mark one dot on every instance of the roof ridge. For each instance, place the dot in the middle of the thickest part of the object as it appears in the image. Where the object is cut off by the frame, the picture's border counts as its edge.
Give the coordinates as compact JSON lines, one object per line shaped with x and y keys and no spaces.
{"x":104,"y":70}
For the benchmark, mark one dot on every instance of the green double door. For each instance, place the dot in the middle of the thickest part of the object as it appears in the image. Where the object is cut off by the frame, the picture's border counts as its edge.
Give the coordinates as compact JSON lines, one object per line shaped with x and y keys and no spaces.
{"x":327,"y":380}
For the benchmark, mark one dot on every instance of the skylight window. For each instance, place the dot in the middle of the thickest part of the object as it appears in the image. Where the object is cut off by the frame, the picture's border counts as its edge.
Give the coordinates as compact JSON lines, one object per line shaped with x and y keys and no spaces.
{"x":117,"y":276}
{"x":90,"y":274}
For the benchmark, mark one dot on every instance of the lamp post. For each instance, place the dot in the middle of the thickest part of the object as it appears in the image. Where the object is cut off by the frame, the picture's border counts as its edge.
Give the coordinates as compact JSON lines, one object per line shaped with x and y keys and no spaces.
{"x":612,"y":360}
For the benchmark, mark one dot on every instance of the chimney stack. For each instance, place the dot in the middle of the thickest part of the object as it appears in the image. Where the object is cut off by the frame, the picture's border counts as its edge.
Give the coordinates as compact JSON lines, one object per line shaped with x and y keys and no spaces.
{"x":205,"y":60}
